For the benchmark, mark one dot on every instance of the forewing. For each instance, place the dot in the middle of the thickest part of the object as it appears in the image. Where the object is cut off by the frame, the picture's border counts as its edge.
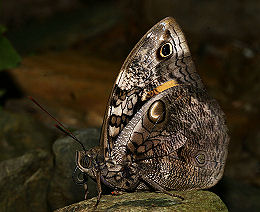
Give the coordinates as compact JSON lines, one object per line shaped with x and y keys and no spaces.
{"x":143,"y":72}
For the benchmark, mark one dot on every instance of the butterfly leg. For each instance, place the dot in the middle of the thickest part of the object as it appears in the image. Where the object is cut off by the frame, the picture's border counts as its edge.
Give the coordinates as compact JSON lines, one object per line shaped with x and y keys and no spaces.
{"x":85,"y":186}
{"x":98,"y":188}
{"x":159,"y":188}
{"x":85,"y":190}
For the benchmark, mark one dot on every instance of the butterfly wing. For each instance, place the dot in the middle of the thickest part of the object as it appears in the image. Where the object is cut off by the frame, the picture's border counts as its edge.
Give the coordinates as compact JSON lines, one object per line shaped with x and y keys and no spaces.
{"x":178,"y":140}
{"x":143,"y":71}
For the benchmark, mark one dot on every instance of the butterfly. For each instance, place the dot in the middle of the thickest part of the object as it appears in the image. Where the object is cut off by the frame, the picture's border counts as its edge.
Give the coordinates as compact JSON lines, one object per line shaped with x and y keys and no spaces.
{"x":161,"y":130}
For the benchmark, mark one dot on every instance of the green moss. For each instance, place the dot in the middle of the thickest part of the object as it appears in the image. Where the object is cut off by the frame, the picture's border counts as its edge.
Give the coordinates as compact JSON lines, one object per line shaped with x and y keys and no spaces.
{"x":153,"y":201}
{"x":150,"y":203}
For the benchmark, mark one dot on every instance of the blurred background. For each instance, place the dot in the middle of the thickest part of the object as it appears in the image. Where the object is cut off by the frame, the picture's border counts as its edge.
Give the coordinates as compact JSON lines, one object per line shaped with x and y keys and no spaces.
{"x":67,"y":54}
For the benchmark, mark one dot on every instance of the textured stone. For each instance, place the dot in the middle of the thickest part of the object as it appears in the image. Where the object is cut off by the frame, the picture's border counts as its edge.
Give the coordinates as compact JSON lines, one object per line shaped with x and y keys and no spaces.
{"x":147,"y":201}
{"x":24,"y":182}
{"x":63,"y":191}
{"x":20,"y":133}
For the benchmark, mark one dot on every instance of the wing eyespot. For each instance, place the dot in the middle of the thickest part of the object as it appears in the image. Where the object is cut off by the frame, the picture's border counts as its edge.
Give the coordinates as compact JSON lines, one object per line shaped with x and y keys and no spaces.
{"x":156,"y":112}
{"x":165,"y":50}
{"x":201,"y":158}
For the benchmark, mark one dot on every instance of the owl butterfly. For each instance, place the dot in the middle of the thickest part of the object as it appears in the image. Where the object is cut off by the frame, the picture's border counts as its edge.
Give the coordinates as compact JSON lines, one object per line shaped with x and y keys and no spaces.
{"x":161,"y":131}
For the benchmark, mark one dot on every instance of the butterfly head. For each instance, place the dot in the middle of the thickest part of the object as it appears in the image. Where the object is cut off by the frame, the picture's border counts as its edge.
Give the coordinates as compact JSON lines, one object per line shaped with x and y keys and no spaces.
{"x":88,"y":162}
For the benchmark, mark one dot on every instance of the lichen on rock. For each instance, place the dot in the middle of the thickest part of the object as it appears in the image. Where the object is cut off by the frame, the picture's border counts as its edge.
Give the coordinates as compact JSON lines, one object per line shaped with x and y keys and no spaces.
{"x":152,"y":201}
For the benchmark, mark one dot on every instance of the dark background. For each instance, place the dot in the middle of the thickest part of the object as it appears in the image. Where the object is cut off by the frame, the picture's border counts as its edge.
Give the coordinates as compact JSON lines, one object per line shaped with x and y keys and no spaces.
{"x":72,"y":51}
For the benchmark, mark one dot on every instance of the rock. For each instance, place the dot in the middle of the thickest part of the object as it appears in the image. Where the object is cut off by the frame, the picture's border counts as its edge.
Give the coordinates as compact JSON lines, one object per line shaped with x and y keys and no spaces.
{"x":152,"y":201}
{"x":24,"y":182}
{"x":20,"y":133}
{"x":63,"y":191}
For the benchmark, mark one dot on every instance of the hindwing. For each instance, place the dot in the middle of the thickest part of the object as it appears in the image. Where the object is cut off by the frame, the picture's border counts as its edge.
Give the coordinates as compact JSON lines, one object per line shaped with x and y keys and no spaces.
{"x":178,"y":139}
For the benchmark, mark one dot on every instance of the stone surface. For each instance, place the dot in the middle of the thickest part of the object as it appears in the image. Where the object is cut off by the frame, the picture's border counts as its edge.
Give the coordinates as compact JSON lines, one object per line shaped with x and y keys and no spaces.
{"x":20,"y":133}
{"x":152,"y":201}
{"x":63,"y":190}
{"x":24,"y":182}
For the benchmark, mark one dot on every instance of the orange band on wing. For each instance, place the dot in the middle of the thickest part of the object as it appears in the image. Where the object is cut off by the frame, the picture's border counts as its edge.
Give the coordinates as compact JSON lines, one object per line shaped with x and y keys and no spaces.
{"x":159,"y":89}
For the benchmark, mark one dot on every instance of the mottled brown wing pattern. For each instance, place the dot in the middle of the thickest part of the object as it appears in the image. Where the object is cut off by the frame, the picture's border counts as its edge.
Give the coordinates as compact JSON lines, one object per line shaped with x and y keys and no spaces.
{"x":142,"y":72}
{"x":191,"y":138}
{"x":195,"y":153}
{"x":178,"y":140}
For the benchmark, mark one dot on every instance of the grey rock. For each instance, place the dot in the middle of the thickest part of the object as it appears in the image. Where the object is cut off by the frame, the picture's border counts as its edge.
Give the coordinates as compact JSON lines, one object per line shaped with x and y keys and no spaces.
{"x":24,"y":182}
{"x":63,"y":191}
{"x":152,"y":201}
{"x":20,"y":133}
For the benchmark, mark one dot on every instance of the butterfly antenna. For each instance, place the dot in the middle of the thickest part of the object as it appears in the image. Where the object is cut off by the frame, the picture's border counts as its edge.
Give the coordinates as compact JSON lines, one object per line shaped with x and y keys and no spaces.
{"x":59,"y":126}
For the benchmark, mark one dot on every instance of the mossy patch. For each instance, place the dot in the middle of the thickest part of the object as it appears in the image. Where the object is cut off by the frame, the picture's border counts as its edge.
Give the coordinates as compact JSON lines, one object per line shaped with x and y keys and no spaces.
{"x":153,"y":201}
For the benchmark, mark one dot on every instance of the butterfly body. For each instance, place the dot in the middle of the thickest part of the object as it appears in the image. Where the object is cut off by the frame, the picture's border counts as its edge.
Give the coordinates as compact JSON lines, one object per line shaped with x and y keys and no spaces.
{"x":161,"y":129}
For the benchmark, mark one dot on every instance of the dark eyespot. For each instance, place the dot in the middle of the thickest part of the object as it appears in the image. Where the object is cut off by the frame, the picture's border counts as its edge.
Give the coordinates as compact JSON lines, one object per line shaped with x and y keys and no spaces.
{"x":156,"y":112}
{"x":201,"y":158}
{"x":165,"y":50}
{"x":86,"y":162}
